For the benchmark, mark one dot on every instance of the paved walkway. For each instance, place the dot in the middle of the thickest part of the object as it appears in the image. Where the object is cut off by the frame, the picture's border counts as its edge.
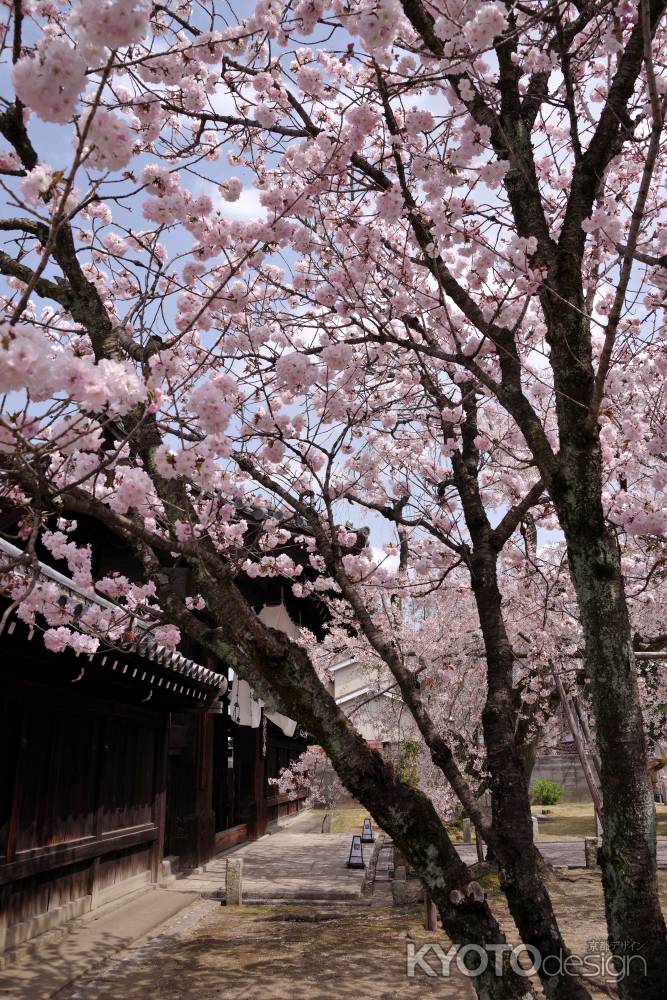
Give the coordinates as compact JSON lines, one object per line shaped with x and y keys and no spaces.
{"x":561,"y":853}
{"x":52,"y":961}
{"x":286,"y":866}
{"x":299,"y":862}
{"x":295,"y":864}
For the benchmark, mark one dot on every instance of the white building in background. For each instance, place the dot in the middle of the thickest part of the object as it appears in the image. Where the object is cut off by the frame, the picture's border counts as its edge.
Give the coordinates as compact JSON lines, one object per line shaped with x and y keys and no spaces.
{"x":245,"y":709}
{"x":368,"y":695}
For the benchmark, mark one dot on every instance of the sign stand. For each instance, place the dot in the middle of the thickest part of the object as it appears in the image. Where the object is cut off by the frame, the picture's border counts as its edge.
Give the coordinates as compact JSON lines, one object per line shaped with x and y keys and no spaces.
{"x":367,"y":836}
{"x":356,"y":858}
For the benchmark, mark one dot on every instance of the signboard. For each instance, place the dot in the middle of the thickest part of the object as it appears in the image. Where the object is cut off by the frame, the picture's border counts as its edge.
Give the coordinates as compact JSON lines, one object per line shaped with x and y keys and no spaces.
{"x":367,"y":835}
{"x":356,"y":859}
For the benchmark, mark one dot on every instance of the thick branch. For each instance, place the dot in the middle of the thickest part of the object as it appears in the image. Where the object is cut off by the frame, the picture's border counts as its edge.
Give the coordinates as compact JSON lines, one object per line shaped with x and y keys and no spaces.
{"x":514,"y":515}
{"x":47,"y":289}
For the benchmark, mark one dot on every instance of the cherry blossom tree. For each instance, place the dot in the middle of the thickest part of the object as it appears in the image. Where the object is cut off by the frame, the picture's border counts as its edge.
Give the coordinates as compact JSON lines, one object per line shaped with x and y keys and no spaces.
{"x":385,"y":259}
{"x":313,"y":772}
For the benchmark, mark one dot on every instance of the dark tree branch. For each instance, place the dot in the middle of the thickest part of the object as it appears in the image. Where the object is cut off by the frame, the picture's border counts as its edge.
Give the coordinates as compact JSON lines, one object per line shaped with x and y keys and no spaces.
{"x":62,"y":294}
{"x":514,"y":516}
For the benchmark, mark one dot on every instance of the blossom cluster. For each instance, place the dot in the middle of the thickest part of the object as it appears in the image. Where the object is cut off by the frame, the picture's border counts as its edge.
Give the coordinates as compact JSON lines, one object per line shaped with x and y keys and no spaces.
{"x":32,"y":362}
{"x":51,"y":82}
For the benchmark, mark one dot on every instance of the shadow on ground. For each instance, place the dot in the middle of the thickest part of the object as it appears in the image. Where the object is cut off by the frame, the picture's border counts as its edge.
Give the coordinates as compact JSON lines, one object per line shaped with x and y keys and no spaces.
{"x":285,"y":953}
{"x":51,"y":962}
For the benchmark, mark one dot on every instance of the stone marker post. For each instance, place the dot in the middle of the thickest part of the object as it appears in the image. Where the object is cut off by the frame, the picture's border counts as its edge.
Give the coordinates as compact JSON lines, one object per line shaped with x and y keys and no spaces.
{"x":591,"y":845}
{"x":234,"y":881}
{"x":536,"y":829}
{"x":466,"y":831}
{"x":430,"y":913}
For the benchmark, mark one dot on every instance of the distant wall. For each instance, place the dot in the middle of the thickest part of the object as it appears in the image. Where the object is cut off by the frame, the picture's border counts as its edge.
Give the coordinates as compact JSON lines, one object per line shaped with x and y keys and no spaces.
{"x":566,"y":769}
{"x":381,"y":720}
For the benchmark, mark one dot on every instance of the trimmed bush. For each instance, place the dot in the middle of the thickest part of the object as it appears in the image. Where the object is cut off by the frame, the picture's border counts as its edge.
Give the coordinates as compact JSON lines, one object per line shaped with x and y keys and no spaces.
{"x":546,"y":793}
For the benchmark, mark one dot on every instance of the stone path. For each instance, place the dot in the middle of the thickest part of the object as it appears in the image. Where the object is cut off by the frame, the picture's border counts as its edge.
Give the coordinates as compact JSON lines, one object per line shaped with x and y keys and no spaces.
{"x":299,"y":863}
{"x":286,"y":866}
{"x":53,"y":960}
{"x":213,"y":949}
{"x":125,"y":966}
{"x":561,"y":853}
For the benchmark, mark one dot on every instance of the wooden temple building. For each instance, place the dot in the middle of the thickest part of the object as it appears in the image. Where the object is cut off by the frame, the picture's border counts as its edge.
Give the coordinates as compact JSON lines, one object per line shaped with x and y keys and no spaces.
{"x":114,"y":762}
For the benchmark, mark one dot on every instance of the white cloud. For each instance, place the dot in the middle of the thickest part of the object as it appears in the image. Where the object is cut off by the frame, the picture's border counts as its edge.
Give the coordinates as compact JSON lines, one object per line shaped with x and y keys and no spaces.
{"x":245,"y":208}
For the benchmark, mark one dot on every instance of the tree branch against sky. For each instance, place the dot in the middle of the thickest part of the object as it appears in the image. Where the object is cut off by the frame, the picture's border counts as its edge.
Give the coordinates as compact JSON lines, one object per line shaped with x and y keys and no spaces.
{"x":443,"y":317}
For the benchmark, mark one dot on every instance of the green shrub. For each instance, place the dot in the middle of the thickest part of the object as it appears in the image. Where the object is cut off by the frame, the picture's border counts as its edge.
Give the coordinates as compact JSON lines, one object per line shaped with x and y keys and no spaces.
{"x":546,"y":793}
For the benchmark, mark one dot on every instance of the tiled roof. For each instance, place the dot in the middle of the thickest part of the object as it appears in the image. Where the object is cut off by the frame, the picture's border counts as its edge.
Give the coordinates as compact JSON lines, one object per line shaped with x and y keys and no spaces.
{"x":145,"y":646}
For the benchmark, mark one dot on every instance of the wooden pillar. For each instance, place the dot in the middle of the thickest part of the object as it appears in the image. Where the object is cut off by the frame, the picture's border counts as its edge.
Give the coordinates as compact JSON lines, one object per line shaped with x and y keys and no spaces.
{"x":260,"y":773}
{"x":568,"y":712}
{"x":204,"y":799}
{"x":160,"y":801}
{"x":253,"y":800}
{"x":4,"y":906}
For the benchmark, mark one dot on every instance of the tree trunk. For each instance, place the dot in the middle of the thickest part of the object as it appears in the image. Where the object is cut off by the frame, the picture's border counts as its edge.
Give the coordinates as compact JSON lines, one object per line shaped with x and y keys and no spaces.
{"x":281,"y":670}
{"x":628,"y":857}
{"x":520,"y":864}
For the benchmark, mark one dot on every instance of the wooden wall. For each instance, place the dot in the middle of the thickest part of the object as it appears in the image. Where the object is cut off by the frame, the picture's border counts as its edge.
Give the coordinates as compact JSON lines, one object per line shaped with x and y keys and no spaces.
{"x":81,"y":799}
{"x":245,"y":802}
{"x":94,"y":792}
